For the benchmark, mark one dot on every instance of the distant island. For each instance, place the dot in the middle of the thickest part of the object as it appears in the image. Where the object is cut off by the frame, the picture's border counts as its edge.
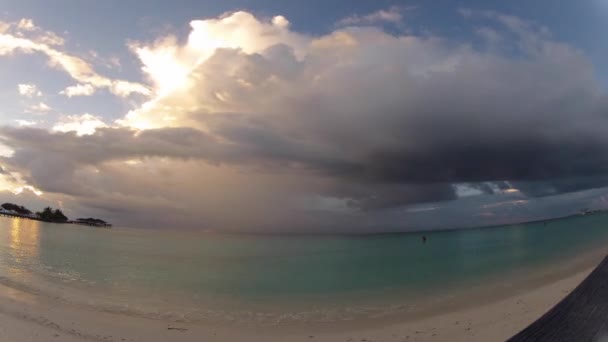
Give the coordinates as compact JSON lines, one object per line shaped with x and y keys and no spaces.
{"x":92,"y":222}
{"x":48,"y":214}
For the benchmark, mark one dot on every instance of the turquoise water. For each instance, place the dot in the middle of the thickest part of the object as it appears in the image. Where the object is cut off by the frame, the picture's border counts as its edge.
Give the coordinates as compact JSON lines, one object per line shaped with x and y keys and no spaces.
{"x":190,"y":275}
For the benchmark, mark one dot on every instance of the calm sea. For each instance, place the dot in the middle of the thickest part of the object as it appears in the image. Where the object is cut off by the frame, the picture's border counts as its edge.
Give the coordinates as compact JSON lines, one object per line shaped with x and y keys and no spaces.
{"x":190,"y":276}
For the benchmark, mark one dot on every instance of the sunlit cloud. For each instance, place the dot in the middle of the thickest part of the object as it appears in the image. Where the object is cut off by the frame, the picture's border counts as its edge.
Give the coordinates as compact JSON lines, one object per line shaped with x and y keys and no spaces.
{"x":48,"y":44}
{"x":25,"y":123}
{"x":26,"y":24}
{"x":511,"y":191}
{"x":29,"y":90}
{"x":78,"y":90}
{"x":169,"y":64}
{"x":13,"y":182}
{"x":20,"y":190}
{"x":6,"y":151}
{"x":85,"y":124}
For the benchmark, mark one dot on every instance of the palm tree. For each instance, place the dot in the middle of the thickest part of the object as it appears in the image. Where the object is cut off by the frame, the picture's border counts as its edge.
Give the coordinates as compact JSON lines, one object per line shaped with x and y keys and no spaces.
{"x":48,"y":214}
{"x":59,"y":216}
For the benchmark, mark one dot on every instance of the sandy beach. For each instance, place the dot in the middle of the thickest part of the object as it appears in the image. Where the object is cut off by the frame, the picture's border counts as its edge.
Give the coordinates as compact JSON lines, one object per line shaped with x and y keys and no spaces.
{"x":27,"y":317}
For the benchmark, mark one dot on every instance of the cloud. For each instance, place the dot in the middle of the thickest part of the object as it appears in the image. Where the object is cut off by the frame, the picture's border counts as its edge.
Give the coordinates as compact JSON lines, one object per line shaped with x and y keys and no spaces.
{"x":21,"y":38}
{"x":280,"y":21}
{"x":5,"y":151}
{"x":29,"y":90}
{"x":392,"y":15}
{"x":529,"y":35}
{"x":26,"y":27}
{"x":20,"y":190}
{"x":168,"y":65}
{"x":346,"y":129}
{"x":357,"y":98}
{"x":13,"y":183}
{"x":26,"y":24}
{"x":118,"y":143}
{"x":40,"y":108}
{"x":78,"y":90}
{"x":26,"y":197}
{"x":115,"y":62}
{"x":85,"y":124}
{"x":489,"y":34}
{"x":25,"y":123}
{"x":4,"y":27}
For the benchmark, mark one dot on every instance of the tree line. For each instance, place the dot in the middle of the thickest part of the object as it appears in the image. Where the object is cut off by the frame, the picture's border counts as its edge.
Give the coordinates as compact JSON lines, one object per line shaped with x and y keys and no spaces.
{"x":53,"y":215}
{"x":47,"y":214}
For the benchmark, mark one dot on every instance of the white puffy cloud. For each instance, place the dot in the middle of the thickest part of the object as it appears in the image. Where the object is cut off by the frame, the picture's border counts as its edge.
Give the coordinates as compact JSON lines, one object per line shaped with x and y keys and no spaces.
{"x":280,"y":21}
{"x":29,"y":90}
{"x":78,"y":90}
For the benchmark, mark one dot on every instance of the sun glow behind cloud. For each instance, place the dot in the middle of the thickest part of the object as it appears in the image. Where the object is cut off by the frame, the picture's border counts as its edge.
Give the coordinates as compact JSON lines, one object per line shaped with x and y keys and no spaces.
{"x":170,"y":65}
{"x":20,"y":190}
{"x":5,"y":151}
{"x":13,"y":182}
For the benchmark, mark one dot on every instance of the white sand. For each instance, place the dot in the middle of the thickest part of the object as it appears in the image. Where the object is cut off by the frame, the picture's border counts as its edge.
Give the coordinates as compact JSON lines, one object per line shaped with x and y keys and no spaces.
{"x":26,"y":317}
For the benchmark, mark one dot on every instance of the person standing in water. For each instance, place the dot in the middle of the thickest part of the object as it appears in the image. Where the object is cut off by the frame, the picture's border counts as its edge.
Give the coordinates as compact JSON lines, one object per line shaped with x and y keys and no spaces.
{"x":423,"y":238}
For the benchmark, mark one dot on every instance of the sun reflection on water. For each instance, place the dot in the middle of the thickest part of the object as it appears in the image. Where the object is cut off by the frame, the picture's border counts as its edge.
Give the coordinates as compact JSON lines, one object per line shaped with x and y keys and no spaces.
{"x":24,"y":240}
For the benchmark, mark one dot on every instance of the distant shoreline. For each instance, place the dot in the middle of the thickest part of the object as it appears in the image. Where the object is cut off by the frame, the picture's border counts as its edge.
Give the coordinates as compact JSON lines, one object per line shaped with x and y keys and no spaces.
{"x":48,"y":215}
{"x":33,"y":218}
{"x":387,"y":233}
{"x":329,"y":234}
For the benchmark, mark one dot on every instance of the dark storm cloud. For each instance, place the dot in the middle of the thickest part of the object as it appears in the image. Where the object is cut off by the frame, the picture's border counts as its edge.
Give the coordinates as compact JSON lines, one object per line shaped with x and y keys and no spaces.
{"x":536,"y":116}
{"x":376,"y":196}
{"x":474,"y":160}
{"x":557,"y":186}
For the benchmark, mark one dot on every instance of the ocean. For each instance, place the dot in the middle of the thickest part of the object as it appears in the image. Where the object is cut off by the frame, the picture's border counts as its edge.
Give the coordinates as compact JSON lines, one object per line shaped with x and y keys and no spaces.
{"x":187,"y":276}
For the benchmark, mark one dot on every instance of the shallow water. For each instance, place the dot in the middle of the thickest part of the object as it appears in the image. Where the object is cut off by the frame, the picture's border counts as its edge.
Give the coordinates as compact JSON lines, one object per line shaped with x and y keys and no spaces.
{"x":190,"y":276}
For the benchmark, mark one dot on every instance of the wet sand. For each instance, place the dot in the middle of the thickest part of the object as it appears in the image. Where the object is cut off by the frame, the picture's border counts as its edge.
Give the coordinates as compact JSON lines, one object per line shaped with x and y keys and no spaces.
{"x":30,"y":317}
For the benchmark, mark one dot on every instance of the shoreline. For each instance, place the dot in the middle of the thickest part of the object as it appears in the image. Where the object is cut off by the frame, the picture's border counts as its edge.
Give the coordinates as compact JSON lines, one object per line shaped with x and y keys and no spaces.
{"x":494,"y":312}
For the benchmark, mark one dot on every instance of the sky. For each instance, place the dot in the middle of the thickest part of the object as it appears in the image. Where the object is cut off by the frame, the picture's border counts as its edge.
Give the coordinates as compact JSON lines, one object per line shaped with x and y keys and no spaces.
{"x":305,"y":117}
